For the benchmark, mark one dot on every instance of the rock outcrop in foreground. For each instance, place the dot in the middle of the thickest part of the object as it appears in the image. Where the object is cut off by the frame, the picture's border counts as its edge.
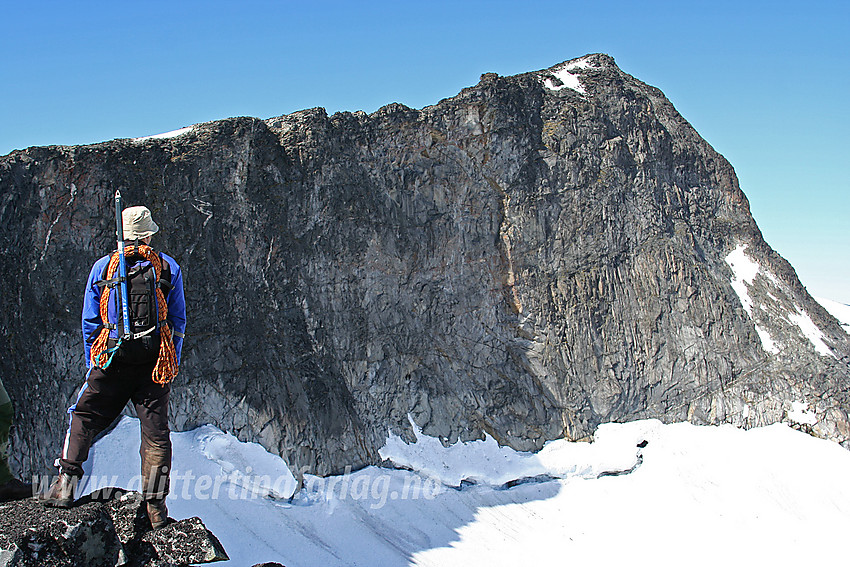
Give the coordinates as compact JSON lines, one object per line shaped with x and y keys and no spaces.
{"x":530,"y":258}
{"x":105,"y":529}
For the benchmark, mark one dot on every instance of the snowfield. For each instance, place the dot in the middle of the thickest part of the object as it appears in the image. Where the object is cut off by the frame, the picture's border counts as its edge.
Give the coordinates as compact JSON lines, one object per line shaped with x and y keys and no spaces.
{"x":641,"y":493}
{"x":567,"y":79}
{"x":838,"y":310}
{"x":166,"y":135}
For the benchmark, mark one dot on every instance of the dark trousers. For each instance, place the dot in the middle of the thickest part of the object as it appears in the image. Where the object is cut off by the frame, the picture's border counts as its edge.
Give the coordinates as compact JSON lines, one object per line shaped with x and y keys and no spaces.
{"x":101,"y":400}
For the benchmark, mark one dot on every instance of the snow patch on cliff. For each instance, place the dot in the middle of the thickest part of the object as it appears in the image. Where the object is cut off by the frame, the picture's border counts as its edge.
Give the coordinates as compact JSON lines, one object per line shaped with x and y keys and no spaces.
{"x":744,"y":271}
{"x":165,"y":135}
{"x":811,"y":332}
{"x":767,"y":341}
{"x":567,"y":79}
{"x":838,"y":310}
{"x":800,"y":414}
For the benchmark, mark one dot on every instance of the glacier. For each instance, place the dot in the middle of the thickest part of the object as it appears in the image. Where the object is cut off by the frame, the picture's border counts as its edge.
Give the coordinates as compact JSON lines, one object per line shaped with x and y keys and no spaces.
{"x":665,"y":493}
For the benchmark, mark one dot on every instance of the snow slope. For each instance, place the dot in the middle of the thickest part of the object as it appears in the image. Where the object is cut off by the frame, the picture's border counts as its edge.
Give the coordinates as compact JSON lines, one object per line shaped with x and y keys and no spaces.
{"x":567,"y":79}
{"x":838,"y":310}
{"x":745,"y":271}
{"x":695,"y":495}
{"x":166,"y":135}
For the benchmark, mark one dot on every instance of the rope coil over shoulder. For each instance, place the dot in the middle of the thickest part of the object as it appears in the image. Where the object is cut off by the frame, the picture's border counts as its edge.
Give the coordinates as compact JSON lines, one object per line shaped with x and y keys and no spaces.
{"x":166,"y":364}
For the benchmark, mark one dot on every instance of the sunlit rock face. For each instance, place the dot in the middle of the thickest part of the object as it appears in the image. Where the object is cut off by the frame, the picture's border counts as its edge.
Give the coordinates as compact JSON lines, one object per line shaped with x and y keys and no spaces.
{"x":528,"y":259}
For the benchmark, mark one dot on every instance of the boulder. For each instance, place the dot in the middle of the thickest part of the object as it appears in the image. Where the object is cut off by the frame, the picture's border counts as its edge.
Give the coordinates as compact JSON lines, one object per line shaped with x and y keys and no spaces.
{"x":107,"y":528}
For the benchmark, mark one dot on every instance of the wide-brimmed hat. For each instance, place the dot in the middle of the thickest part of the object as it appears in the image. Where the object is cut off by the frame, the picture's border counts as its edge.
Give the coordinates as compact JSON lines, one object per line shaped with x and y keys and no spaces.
{"x":138,"y":223}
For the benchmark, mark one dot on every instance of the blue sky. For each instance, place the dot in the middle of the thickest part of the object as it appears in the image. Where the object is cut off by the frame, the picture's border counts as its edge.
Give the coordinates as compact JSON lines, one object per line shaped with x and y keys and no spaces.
{"x":765,"y":83}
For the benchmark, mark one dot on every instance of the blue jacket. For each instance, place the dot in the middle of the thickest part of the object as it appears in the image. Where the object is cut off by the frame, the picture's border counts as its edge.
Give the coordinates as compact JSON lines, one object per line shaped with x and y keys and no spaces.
{"x":91,"y":305}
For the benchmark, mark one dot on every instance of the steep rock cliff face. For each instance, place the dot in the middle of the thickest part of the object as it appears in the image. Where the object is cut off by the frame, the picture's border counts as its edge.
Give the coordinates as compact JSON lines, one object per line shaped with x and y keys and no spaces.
{"x":530,"y":258}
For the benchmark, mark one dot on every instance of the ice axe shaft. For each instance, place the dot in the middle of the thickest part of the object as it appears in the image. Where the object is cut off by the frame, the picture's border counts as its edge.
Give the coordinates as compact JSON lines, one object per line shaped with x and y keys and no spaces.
{"x":122,"y":266}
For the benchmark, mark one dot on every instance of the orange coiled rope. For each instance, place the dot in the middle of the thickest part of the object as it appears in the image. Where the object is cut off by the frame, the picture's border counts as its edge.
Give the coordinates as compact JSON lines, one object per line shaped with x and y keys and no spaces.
{"x":166,"y":365}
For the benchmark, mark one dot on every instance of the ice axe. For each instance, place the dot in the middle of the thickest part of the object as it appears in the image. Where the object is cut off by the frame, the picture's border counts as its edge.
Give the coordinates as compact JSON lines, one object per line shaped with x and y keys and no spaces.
{"x":122,"y":267}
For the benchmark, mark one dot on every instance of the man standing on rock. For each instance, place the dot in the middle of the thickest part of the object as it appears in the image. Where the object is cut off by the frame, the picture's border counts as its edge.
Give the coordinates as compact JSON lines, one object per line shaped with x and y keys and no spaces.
{"x":137,"y":367}
{"x":10,"y":487}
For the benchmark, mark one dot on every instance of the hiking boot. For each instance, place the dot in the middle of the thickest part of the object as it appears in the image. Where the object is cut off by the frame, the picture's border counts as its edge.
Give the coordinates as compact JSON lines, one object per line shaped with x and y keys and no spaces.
{"x":15,"y":490}
{"x":157,"y":513}
{"x":61,"y":493}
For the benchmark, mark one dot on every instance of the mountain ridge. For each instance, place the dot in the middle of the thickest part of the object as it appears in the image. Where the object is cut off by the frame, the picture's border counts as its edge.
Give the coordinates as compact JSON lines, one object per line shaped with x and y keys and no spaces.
{"x":523,"y":259}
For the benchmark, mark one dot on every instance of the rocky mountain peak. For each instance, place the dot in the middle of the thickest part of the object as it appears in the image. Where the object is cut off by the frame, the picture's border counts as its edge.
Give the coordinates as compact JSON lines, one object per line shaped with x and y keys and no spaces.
{"x":530,"y":258}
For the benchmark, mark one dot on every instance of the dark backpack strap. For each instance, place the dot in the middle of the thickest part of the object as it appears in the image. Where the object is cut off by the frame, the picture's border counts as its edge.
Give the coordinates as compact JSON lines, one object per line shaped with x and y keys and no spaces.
{"x":164,"y":282}
{"x":165,"y":276}
{"x":106,"y":267}
{"x":115,"y":280}
{"x":93,"y":335}
{"x":109,"y":283}
{"x":170,"y":326}
{"x":104,"y":280}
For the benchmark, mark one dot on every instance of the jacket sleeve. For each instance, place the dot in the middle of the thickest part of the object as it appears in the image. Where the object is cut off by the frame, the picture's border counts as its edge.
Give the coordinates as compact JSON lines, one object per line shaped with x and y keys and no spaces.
{"x":91,"y":308}
{"x":176,"y":308}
